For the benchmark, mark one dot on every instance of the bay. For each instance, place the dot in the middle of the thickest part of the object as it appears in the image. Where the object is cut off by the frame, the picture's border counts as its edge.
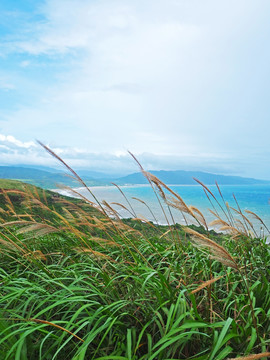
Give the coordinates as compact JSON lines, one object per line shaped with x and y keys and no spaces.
{"x":254,"y":198}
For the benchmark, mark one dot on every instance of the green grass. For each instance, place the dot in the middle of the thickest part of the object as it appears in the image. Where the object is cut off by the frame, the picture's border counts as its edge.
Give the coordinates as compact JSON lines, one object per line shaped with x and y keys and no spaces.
{"x":11,"y":184}
{"x":77,"y":284}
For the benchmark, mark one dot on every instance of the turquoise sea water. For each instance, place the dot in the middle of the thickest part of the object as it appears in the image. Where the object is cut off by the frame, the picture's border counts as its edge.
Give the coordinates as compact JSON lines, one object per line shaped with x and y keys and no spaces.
{"x":254,"y":198}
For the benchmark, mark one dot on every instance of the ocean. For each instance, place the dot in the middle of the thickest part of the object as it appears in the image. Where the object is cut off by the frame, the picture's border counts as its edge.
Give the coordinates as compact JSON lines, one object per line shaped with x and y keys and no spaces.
{"x":254,"y":198}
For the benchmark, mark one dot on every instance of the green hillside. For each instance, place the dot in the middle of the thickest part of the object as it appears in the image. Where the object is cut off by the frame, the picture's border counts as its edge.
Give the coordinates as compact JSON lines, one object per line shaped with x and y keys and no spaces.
{"x":17,"y":197}
{"x":12,"y":184}
{"x":44,"y":179}
{"x":79,"y":283}
{"x":36,"y":177}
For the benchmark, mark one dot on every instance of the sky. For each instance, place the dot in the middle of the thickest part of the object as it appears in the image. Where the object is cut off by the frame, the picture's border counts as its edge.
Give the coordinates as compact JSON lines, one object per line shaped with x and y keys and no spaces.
{"x":182,"y":84}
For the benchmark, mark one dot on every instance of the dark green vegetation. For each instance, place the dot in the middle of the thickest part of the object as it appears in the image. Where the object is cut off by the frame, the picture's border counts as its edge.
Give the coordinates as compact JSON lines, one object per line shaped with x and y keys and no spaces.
{"x":79,"y":284}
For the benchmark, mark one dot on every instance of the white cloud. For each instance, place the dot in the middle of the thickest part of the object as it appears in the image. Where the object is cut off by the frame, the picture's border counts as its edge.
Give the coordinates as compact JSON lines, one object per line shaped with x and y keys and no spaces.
{"x":25,"y":63}
{"x":11,"y":140}
{"x":14,"y":151}
{"x":90,"y":25}
{"x":179,"y":79}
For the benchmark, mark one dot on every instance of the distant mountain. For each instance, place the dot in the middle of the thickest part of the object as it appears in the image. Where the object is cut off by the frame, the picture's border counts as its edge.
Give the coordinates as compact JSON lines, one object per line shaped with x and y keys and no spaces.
{"x":38,"y":167}
{"x":50,"y":179}
{"x":86,"y":174}
{"x":181,"y":177}
{"x":47,"y":179}
{"x":36,"y":177}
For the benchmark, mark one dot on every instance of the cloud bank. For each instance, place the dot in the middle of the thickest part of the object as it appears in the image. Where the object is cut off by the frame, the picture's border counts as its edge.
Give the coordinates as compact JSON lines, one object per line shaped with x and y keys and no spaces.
{"x":16,"y":152}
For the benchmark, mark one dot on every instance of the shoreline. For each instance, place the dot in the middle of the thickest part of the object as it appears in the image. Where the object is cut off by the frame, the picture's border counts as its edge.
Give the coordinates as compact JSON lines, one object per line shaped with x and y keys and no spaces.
{"x":148,"y":185}
{"x":141,"y":213}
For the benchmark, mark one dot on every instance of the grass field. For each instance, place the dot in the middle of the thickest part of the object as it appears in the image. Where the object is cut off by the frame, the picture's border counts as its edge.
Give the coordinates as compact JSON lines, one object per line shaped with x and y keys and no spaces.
{"x":78,"y":282}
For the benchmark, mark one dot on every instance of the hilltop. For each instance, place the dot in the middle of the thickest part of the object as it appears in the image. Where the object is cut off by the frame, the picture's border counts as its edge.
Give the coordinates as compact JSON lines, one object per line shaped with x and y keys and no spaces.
{"x":47,"y":179}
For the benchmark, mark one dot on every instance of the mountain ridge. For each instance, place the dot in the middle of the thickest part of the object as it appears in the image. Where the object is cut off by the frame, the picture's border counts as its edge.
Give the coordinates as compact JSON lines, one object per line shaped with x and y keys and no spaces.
{"x":184,"y":177}
{"x":47,"y":179}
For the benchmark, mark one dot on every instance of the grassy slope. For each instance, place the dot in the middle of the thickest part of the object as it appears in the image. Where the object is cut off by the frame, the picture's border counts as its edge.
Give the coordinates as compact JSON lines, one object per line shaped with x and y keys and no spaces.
{"x":53,"y":199}
{"x":11,"y":184}
{"x":40,"y":178}
{"x":76,"y":284}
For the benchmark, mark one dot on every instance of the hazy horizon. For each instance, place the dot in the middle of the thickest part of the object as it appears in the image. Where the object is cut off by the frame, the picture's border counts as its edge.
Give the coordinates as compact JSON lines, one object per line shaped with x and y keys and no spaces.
{"x":103,"y":175}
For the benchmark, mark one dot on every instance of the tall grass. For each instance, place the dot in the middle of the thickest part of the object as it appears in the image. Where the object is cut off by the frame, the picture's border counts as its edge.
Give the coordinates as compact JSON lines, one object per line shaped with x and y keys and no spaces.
{"x":78,"y":282}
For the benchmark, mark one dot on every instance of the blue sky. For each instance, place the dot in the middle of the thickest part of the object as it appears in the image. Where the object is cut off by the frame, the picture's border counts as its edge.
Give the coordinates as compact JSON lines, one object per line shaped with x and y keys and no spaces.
{"x":181,"y":84}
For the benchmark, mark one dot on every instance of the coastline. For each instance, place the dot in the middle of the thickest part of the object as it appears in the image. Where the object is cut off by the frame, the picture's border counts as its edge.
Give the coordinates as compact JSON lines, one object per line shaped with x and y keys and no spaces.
{"x":112,"y":195}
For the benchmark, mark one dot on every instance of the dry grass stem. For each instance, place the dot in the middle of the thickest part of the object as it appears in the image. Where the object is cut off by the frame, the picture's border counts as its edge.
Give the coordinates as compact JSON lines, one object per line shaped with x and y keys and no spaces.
{"x":252,"y":357}
{"x":205,"y":284}
{"x":89,"y":251}
{"x":199,"y":215}
{"x":257,"y":218}
{"x":217,"y":251}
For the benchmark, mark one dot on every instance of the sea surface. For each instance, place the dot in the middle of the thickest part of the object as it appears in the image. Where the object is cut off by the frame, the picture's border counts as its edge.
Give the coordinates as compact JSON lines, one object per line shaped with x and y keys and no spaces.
{"x":249,"y":197}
